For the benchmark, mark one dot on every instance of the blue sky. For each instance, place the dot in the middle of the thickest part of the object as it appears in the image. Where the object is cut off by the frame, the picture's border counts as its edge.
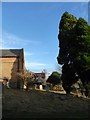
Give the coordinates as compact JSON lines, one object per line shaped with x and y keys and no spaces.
{"x":34,"y":27}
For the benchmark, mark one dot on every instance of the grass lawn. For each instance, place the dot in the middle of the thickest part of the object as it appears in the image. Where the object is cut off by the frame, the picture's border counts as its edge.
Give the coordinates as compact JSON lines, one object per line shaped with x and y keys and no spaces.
{"x":42,"y":104}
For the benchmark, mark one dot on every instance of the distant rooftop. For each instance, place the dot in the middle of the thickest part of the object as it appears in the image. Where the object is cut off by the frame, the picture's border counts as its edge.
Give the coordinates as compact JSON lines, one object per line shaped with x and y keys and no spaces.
{"x":10,"y":52}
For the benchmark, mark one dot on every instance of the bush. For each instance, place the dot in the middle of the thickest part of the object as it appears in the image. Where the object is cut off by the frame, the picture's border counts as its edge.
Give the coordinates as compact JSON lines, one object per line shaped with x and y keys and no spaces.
{"x":54,"y":78}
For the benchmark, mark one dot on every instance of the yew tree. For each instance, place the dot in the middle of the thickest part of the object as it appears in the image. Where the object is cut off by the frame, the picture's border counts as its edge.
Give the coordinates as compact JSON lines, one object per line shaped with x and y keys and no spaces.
{"x":74,"y":50}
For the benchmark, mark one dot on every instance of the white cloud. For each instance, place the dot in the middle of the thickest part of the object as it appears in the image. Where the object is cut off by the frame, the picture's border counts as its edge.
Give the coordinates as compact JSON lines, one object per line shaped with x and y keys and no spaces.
{"x":35,"y":64}
{"x":0,"y":42}
{"x":28,"y":53}
{"x":14,"y":41}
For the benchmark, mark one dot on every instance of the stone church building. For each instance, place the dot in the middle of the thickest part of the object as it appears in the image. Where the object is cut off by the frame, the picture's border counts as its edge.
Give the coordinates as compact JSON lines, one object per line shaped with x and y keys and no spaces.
{"x":11,"y":63}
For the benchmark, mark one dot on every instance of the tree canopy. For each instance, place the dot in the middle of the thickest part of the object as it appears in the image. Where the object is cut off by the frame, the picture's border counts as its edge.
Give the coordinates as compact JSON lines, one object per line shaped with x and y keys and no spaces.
{"x":74,"y":52}
{"x":54,"y":78}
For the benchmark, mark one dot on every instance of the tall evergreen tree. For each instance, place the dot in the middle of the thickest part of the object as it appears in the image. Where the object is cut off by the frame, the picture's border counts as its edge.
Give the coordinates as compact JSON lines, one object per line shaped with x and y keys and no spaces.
{"x":74,"y":52}
{"x":82,"y":57}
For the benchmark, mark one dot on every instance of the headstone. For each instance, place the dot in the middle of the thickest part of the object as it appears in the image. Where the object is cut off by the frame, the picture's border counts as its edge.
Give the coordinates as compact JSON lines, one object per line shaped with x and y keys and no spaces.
{"x":41,"y":88}
{"x":24,"y":86}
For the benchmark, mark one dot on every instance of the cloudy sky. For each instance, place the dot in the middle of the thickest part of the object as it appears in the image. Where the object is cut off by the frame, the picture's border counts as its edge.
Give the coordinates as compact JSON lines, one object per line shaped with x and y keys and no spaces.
{"x":34,"y":27}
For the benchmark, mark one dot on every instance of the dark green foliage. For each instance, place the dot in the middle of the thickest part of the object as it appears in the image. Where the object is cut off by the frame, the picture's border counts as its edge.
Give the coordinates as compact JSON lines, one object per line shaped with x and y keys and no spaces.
{"x":54,"y":78}
{"x":65,"y":36}
{"x":82,"y":58}
{"x":74,"y":53}
{"x":81,"y":27}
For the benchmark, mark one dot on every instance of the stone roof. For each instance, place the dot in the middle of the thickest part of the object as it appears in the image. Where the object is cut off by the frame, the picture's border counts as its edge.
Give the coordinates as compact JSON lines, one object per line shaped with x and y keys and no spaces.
{"x":40,"y":81}
{"x":41,"y":75}
{"x":10,"y":52}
